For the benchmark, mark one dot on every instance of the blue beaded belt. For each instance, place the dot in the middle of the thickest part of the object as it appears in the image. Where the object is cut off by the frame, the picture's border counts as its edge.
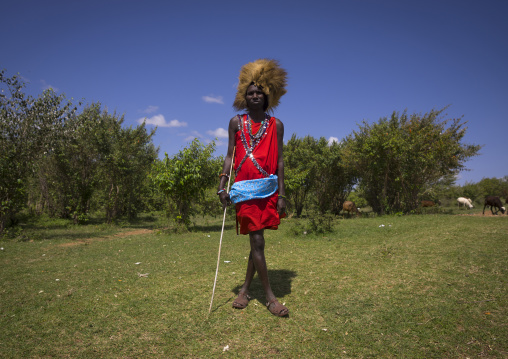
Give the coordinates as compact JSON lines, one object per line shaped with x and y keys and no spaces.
{"x":251,"y":189}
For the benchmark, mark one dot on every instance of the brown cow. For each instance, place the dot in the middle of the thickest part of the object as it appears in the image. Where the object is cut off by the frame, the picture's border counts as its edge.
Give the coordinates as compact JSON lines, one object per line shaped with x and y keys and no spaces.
{"x":349,"y":207}
{"x":428,"y":204}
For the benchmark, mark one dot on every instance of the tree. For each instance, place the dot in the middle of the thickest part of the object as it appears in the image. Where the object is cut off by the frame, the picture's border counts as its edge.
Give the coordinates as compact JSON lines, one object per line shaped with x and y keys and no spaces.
{"x":398,"y":158}
{"x":334,"y":181}
{"x":185,"y":177}
{"x":494,"y":187}
{"x":444,"y":188}
{"x":96,"y":164}
{"x":315,"y":174}
{"x":300,"y":168}
{"x":29,"y":127}
{"x":68,"y":173}
{"x":124,"y":168}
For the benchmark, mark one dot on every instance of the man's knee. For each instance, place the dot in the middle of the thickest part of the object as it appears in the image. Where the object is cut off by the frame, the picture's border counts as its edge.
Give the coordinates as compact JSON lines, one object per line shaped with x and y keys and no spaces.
{"x":257,"y":241}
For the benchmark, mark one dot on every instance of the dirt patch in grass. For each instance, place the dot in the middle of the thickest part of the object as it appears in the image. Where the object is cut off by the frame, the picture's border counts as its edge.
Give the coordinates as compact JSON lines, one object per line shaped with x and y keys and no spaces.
{"x":97,"y":239}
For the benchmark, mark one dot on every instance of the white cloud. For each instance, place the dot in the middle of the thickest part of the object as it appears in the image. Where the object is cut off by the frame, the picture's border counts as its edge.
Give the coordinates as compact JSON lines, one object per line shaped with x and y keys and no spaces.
{"x":219,"y":133}
{"x":192,"y":136}
{"x":213,"y":99}
{"x":332,"y":140}
{"x":160,"y":121}
{"x":151,"y":109}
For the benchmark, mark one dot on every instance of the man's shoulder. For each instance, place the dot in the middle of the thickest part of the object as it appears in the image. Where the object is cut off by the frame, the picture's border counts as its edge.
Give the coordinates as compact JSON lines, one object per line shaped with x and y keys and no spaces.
{"x":234,"y":122}
{"x":279,"y":123}
{"x":235,"y":119}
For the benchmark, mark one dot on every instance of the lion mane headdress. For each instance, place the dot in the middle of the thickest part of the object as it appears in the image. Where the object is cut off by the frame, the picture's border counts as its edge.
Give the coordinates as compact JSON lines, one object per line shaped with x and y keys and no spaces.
{"x":265,"y":74}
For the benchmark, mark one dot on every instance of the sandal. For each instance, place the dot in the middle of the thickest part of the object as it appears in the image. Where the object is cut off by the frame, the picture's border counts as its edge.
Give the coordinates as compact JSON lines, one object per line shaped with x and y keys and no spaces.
{"x":241,"y":301}
{"x":276,"y":308}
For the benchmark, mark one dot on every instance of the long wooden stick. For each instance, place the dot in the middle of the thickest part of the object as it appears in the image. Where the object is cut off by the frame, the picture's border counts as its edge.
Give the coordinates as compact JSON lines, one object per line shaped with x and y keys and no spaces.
{"x":222,"y":232}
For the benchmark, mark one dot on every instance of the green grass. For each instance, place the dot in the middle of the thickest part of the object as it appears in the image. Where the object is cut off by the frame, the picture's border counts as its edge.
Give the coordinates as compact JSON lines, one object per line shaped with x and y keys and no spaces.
{"x":429,"y":286}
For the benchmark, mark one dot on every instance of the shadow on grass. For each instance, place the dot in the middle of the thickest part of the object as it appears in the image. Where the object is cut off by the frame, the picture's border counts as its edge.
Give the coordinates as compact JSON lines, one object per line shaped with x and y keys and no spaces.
{"x":280,"y":281}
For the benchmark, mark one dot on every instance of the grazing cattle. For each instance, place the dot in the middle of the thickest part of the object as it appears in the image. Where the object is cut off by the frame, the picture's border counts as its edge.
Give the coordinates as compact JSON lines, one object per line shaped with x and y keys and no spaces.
{"x":349,"y":207}
{"x":465,"y":201}
{"x":428,"y":204}
{"x":493,"y":201}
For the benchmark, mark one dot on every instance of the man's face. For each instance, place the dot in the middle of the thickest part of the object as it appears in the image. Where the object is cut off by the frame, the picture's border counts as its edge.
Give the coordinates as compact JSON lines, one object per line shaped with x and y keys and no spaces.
{"x":255,"y":98}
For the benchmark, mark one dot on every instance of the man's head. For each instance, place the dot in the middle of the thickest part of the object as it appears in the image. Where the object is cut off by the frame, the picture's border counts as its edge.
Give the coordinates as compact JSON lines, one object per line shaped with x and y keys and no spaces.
{"x":256,"y":98}
{"x":268,"y":77}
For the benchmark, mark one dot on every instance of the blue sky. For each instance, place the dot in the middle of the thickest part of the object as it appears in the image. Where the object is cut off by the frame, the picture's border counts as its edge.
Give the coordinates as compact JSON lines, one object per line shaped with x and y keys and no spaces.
{"x":177,"y":63}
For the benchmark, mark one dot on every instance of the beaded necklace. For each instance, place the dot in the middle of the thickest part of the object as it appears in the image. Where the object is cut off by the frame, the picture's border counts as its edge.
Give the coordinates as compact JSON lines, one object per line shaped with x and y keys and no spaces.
{"x":261,"y":131}
{"x":252,"y":142}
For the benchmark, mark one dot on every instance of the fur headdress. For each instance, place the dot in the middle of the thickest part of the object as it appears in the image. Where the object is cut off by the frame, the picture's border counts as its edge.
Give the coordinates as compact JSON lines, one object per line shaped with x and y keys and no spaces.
{"x":265,"y":74}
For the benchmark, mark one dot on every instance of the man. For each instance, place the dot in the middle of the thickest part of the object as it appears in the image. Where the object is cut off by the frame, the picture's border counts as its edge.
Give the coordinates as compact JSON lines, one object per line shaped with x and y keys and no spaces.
{"x":256,"y":139}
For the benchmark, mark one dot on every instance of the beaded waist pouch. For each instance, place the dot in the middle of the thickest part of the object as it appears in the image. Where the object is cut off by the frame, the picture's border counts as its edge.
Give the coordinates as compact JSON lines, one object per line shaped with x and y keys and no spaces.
{"x":251,"y":189}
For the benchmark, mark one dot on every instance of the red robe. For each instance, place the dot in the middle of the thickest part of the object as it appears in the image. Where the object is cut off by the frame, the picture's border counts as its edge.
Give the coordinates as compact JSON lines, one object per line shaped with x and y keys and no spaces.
{"x":256,"y":214}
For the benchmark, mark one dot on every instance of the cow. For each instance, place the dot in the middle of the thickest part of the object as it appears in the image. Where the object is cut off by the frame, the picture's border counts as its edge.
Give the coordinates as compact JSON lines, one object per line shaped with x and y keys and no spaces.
{"x":428,"y":204}
{"x":465,"y":201}
{"x":349,"y":207}
{"x":493,"y":201}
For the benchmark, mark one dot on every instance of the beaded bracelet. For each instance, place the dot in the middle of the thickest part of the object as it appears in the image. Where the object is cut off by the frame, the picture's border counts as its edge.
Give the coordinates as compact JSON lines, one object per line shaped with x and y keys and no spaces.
{"x":281,"y":196}
{"x":223,"y":175}
{"x":221,"y":190}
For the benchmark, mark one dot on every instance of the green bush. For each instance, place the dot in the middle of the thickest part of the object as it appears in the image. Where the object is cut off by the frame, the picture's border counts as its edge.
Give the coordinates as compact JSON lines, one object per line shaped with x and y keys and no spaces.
{"x":321,"y":223}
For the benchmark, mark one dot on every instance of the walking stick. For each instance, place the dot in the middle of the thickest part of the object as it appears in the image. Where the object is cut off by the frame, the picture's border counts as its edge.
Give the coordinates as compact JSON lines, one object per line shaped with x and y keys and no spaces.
{"x":222,"y":233}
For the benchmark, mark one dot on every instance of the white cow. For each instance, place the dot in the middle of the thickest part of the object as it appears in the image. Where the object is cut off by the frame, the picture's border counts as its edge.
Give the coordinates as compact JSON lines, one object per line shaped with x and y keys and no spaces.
{"x":465,"y":201}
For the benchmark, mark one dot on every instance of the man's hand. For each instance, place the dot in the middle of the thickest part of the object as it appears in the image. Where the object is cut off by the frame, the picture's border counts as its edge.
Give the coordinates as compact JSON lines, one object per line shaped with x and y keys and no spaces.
{"x":281,"y":206}
{"x":224,"y":199}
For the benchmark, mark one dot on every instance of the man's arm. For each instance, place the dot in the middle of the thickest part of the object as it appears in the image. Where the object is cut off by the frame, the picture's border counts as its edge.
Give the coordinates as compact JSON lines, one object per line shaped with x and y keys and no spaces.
{"x":232,"y":129}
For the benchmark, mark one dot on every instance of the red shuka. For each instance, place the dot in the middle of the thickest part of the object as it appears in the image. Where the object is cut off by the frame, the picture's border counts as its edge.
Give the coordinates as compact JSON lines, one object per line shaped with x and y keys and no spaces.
{"x":256,"y":214}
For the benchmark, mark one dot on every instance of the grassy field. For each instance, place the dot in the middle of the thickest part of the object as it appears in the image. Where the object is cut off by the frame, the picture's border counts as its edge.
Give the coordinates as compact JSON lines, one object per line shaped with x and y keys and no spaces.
{"x":426,"y":286}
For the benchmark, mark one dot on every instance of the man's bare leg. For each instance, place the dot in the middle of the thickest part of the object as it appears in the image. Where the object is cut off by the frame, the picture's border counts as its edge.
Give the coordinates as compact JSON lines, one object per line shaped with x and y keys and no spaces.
{"x":257,"y":263}
{"x":249,"y":275}
{"x":243,"y":296}
{"x":257,"y":252}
